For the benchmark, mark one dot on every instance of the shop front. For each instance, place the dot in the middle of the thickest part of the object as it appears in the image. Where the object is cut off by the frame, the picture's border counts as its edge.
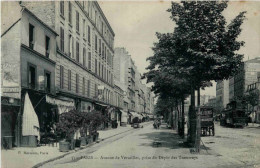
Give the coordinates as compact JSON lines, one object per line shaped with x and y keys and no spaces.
{"x":10,"y":108}
{"x":124,"y":118}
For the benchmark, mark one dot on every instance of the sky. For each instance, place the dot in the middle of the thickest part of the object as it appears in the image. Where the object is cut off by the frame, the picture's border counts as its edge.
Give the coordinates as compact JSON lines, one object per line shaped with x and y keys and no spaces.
{"x":135,"y":24}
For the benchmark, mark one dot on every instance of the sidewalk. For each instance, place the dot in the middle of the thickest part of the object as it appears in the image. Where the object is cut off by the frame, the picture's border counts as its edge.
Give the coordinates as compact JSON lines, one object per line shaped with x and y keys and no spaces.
{"x":25,"y":157}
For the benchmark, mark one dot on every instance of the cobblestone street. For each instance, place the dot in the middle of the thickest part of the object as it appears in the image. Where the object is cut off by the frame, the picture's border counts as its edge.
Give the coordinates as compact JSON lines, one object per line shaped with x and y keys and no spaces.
{"x":228,"y":148}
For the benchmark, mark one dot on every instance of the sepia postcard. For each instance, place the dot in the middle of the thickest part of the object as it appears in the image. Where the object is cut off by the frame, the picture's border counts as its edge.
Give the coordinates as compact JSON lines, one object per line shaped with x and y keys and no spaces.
{"x":130,"y":84}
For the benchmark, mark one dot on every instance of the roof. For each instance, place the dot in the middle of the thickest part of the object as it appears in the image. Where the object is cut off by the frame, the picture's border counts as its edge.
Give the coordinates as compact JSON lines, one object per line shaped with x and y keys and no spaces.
{"x":45,"y":25}
{"x":254,"y":60}
{"x":104,"y":18}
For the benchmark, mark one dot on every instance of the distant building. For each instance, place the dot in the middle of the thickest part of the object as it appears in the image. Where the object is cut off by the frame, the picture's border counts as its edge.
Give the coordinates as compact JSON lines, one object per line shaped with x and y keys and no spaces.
{"x":231,"y":88}
{"x":246,"y":76}
{"x":212,"y":102}
{"x":255,"y":88}
{"x":222,"y":94}
{"x":138,"y":97}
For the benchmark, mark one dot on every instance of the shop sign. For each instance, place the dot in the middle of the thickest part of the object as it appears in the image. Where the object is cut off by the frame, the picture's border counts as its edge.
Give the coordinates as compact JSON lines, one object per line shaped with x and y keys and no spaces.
{"x":10,"y":75}
{"x":59,"y":102}
{"x":13,"y":92}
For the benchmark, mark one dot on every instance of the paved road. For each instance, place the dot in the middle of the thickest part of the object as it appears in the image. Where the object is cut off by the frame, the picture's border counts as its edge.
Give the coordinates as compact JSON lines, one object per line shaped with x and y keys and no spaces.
{"x":242,"y":145}
{"x":151,"y":148}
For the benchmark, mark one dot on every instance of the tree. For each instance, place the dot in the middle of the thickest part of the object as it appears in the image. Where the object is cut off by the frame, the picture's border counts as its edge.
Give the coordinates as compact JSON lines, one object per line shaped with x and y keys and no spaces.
{"x":201,"y":48}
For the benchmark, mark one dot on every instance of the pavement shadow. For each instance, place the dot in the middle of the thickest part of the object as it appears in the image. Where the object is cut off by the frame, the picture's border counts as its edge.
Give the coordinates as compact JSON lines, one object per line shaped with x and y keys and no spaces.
{"x":163,"y":138}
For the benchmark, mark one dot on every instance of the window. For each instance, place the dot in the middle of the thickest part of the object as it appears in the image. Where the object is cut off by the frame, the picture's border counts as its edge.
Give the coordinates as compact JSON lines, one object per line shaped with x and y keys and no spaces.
{"x":83,"y":86}
{"x":62,"y":8}
{"x":61,"y":39}
{"x":102,"y":29}
{"x":107,"y":76}
{"x":88,"y":88}
{"x":32,"y":76}
{"x":77,"y":83}
{"x":70,"y":12}
{"x":89,"y":60}
{"x":99,"y":46}
{"x":69,"y":79}
{"x":84,"y":22}
{"x":77,"y":51}
{"x":99,"y":69}
{"x":102,"y":71}
{"x":47,"y":81}
{"x":95,"y":17}
{"x":77,"y":21}
{"x":31,"y":36}
{"x":102,"y":49}
{"x":84,"y":57}
{"x":105,"y":52}
{"x":96,"y":90}
{"x":47,"y":46}
{"x":61,"y":77}
{"x":70,"y":45}
{"x":96,"y":43}
{"x":88,"y":34}
{"x":96,"y":66}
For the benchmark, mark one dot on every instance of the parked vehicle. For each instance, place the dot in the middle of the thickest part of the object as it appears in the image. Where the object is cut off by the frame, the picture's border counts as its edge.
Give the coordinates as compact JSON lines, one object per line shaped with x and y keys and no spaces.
{"x":234,"y":115}
{"x":207,"y":121}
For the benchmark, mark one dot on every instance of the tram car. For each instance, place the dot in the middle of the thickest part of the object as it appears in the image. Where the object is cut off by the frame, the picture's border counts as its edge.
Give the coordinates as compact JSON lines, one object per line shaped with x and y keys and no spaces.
{"x":234,"y":115}
{"x":207,"y":121}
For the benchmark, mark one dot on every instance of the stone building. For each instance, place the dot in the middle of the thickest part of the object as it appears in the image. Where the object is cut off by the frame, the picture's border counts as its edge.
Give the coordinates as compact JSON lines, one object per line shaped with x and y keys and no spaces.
{"x":85,"y":49}
{"x":246,"y":76}
{"x":254,"y":89}
{"x":231,"y":88}
{"x":138,"y":97}
{"x":125,"y":72}
{"x":222,"y":94}
{"x":28,"y":60}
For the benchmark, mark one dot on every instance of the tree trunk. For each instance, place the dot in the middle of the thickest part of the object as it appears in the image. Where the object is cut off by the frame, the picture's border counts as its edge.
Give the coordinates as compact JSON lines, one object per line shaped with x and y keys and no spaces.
{"x":192,"y":118}
{"x":183,"y":119}
{"x":198,"y":103}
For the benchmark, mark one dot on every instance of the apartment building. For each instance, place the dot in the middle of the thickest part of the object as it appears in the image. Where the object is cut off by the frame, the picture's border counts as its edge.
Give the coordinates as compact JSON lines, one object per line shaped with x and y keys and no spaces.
{"x":246,"y":76}
{"x":85,"y":49}
{"x":28,"y":60}
{"x":138,"y":97}
{"x":231,"y":88}
{"x":222,"y":94}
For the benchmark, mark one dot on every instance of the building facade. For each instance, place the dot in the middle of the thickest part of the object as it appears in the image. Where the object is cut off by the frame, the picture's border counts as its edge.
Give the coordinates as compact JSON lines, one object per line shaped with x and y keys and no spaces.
{"x":85,"y":49}
{"x":222,"y":94}
{"x":254,"y":90}
{"x":246,"y":76}
{"x":138,"y":97}
{"x":231,"y":88}
{"x":28,"y":67}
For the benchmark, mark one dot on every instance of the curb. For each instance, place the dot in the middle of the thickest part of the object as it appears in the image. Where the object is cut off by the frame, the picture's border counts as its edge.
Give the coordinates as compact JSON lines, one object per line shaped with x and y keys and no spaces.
{"x":89,"y":145}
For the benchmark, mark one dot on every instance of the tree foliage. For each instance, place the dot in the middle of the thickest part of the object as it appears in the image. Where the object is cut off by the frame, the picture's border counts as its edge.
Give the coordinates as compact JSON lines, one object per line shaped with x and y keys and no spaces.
{"x":201,"y":48}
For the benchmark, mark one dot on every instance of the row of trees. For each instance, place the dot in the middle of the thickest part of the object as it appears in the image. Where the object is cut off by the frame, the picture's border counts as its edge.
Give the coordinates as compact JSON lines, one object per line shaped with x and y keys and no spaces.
{"x":201,"y":48}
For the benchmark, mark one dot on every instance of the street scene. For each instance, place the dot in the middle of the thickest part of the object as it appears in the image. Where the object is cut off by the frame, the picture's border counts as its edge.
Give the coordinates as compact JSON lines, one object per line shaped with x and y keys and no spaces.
{"x":130,"y":84}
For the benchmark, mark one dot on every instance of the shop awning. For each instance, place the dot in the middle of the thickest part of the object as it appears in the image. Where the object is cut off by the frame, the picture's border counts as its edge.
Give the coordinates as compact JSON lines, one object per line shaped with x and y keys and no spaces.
{"x":30,"y":120}
{"x":101,"y":104}
{"x":63,"y":105}
{"x":124,"y":116}
{"x":134,"y":114}
{"x":124,"y":113}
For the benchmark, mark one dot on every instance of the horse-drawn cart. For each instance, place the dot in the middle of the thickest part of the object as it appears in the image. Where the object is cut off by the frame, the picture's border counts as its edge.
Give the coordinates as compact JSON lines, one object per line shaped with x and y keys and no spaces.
{"x":207,"y":122}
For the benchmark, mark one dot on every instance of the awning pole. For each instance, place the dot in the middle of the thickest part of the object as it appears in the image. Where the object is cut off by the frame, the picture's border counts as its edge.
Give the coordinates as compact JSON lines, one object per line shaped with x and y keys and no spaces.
{"x":38,"y":102}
